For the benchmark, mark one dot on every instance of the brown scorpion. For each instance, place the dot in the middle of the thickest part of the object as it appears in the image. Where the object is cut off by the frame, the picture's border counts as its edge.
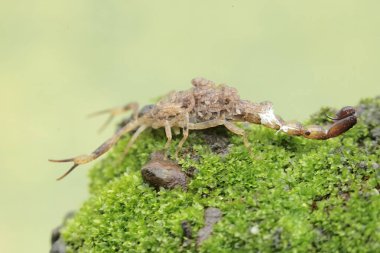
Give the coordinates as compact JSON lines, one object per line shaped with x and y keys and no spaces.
{"x":208,"y":105}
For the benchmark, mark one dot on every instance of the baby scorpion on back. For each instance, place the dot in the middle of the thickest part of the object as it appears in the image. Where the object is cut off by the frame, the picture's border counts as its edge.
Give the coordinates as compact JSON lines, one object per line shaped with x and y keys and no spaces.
{"x":208,"y":105}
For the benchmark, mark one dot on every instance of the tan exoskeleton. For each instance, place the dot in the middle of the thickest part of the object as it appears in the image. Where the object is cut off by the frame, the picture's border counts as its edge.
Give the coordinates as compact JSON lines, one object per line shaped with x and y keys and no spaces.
{"x":208,"y":105}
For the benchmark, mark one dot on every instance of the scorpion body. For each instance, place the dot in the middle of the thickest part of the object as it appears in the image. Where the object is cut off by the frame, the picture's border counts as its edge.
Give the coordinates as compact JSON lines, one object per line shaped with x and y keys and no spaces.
{"x":208,"y":105}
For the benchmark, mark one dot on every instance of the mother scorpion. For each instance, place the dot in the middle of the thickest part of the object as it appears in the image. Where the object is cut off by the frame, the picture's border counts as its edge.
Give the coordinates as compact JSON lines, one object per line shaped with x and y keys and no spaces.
{"x":203,"y":106}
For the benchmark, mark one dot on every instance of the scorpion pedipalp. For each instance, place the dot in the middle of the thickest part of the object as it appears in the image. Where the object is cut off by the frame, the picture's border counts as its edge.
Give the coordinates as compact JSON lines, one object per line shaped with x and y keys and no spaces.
{"x":107,"y":145}
{"x":82,"y":159}
{"x":68,"y":171}
{"x":116,"y":111}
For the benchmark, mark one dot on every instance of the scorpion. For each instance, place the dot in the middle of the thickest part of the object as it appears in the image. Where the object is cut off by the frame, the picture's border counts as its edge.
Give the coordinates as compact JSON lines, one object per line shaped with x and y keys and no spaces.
{"x":207,"y":105}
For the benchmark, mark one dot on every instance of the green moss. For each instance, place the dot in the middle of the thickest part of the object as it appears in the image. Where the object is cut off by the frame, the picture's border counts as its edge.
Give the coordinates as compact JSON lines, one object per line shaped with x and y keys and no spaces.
{"x":302,"y":195}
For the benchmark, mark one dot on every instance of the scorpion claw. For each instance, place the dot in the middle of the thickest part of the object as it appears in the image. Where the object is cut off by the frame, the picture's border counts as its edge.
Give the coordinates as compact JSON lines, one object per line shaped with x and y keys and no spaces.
{"x":68,"y":172}
{"x":76,"y":160}
{"x":62,"y":160}
{"x":65,"y":161}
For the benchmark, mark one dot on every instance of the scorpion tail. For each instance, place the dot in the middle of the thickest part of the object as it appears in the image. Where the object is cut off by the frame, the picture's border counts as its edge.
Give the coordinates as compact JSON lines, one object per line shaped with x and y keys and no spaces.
{"x":344,"y":119}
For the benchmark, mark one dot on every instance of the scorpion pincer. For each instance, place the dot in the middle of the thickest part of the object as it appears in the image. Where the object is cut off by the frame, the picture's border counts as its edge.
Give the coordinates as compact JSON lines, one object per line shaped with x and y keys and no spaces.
{"x":208,"y":105}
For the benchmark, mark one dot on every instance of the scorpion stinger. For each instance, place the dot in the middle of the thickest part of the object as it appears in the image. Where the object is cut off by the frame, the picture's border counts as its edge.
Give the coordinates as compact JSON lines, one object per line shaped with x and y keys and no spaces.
{"x":345,"y":112}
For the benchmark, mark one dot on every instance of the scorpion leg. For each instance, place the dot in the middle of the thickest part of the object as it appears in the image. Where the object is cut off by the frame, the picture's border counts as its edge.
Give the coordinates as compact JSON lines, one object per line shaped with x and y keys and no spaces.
{"x":218,"y":122}
{"x":180,"y":144}
{"x":134,"y":137}
{"x":237,"y":130}
{"x":107,"y":145}
{"x":206,"y":124}
{"x":116,"y":111}
{"x":168,"y":132}
{"x":185,"y":132}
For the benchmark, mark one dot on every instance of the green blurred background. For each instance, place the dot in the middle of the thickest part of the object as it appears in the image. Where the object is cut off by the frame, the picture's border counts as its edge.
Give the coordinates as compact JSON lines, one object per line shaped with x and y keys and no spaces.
{"x":60,"y":60}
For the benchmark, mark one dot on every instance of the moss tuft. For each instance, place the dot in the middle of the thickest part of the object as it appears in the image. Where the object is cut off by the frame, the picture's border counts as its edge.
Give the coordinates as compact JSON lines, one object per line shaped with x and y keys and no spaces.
{"x":299,"y":195}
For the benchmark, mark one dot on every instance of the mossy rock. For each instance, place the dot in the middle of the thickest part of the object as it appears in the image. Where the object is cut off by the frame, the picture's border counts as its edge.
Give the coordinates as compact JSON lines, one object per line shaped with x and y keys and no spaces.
{"x":289,"y":195}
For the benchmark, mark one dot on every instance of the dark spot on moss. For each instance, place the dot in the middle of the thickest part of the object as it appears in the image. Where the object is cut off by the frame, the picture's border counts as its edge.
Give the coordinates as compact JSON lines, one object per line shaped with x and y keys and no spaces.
{"x":212,"y":216}
{"x":276,"y":241}
{"x":217,"y":139}
{"x":187,"y":233}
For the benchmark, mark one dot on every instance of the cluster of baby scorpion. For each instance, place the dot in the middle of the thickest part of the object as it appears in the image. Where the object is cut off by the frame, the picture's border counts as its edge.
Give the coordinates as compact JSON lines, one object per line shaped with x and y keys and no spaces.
{"x":208,"y":105}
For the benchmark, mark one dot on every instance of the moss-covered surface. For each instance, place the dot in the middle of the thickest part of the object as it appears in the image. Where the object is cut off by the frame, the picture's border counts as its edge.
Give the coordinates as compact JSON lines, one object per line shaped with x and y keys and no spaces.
{"x":298,"y":195}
